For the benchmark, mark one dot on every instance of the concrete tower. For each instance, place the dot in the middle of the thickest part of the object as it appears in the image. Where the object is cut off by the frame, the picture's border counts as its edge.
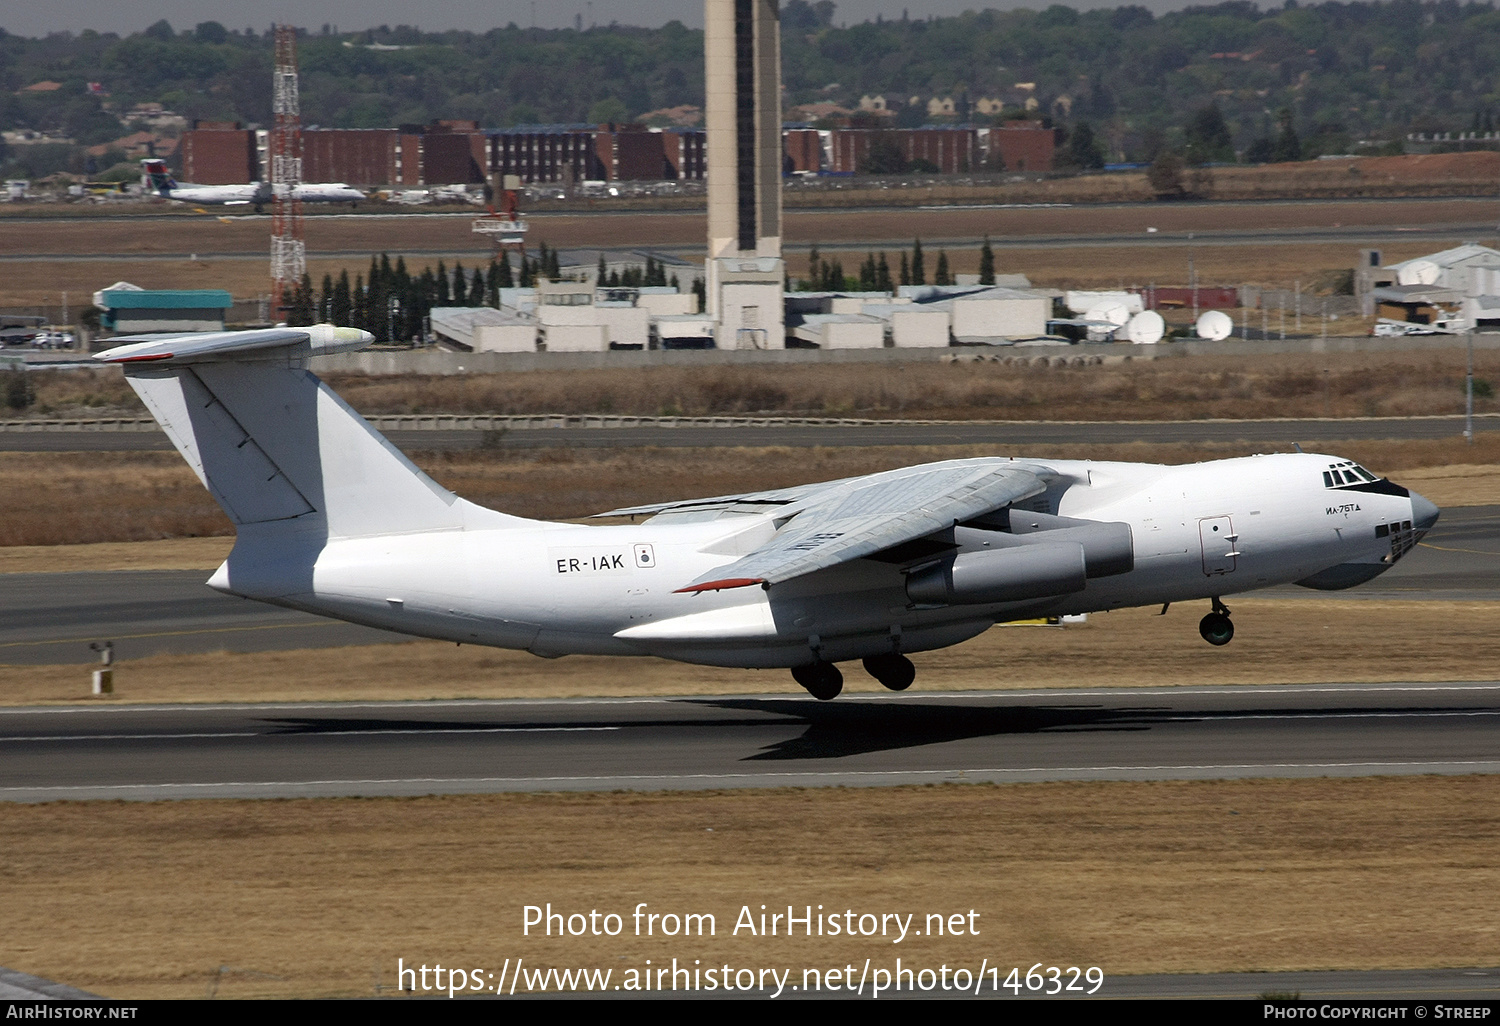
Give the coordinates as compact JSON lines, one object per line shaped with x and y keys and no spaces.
{"x":746,"y":275}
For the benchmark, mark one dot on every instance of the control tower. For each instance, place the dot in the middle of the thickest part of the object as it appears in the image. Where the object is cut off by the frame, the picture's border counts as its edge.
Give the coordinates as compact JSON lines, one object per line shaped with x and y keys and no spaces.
{"x":745,"y":273}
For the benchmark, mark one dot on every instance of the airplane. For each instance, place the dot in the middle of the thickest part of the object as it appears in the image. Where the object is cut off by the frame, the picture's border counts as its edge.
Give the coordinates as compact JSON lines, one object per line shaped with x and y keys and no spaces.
{"x":155,"y":177}
{"x":331,"y":518}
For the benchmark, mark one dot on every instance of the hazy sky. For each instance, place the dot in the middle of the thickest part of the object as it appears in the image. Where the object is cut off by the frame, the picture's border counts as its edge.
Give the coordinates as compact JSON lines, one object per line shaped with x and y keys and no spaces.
{"x":35,"y":18}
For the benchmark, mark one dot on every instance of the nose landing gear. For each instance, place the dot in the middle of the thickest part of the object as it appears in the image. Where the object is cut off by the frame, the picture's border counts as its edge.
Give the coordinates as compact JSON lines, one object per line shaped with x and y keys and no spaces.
{"x":822,"y":680}
{"x":895,"y":671}
{"x":1216,"y":627}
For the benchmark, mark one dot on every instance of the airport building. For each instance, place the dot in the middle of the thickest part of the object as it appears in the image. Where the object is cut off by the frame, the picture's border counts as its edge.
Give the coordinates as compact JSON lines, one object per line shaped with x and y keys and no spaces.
{"x":220,"y":153}
{"x":129,"y":309}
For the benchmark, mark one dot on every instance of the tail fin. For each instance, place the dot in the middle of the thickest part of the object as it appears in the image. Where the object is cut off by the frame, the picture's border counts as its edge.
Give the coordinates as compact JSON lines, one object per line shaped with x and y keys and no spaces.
{"x":155,"y":176}
{"x":278,"y":450}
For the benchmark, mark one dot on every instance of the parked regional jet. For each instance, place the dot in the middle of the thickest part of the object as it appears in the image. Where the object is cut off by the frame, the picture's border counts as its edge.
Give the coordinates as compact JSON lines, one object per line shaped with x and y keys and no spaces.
{"x":156,"y":178}
{"x":334,"y":520}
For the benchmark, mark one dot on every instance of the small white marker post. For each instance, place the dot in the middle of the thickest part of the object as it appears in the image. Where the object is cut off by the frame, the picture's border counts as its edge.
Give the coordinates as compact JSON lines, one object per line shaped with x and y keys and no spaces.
{"x":104,"y":677}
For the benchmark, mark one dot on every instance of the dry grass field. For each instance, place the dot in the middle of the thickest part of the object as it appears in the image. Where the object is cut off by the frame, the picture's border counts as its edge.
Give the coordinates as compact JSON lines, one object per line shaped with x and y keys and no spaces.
{"x":230,"y":251}
{"x":1279,"y":641}
{"x":1091,"y":266}
{"x":308,"y":898}
{"x":213,"y":234}
{"x":1188,"y":388}
{"x":73,"y":499}
{"x":1196,"y":388}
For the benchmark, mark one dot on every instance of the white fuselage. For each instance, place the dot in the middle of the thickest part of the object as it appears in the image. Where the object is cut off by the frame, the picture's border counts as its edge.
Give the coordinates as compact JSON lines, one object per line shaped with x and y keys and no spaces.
{"x":1199,"y":531}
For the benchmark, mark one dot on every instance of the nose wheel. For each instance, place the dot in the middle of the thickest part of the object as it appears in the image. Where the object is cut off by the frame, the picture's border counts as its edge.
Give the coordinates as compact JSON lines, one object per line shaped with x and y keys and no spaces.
{"x":1216,"y":628}
{"x":822,"y":680}
{"x":895,"y":671}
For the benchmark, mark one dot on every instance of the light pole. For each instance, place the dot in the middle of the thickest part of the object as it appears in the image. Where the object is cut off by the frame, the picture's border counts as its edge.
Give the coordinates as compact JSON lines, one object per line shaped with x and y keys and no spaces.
{"x":1469,"y":389}
{"x":394,"y":308}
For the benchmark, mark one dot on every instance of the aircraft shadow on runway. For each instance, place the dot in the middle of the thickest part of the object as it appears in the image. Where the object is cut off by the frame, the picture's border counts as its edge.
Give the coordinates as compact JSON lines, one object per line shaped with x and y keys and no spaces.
{"x":850,"y":727}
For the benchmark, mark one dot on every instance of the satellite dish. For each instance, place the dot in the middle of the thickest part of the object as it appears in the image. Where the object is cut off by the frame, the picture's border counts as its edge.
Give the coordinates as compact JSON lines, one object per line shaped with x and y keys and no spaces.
{"x":1419,"y":272}
{"x":1145,"y":328}
{"x":1111,"y":310}
{"x":1215,"y":326}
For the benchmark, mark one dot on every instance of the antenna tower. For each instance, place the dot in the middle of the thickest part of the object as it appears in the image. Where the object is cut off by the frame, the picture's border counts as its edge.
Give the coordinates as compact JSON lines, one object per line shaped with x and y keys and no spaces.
{"x":288,"y":252}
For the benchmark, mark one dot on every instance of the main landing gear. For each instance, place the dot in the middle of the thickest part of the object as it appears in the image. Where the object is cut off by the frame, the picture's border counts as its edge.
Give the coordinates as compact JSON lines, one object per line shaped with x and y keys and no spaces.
{"x":824,"y":681}
{"x":1216,"y":627}
{"x":895,"y":671}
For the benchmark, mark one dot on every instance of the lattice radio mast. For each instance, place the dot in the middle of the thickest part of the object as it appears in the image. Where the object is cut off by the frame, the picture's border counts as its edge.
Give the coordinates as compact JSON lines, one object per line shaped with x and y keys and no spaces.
{"x":288,"y":251}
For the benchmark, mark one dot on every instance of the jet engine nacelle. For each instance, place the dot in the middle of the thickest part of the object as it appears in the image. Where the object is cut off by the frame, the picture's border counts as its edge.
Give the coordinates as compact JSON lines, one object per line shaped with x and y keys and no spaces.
{"x":1002,"y":575}
{"x":1108,"y":547}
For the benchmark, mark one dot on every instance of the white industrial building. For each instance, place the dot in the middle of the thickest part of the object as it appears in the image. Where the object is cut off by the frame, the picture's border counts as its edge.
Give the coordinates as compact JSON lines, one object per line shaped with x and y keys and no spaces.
{"x":485,"y":330}
{"x":1454,"y":290}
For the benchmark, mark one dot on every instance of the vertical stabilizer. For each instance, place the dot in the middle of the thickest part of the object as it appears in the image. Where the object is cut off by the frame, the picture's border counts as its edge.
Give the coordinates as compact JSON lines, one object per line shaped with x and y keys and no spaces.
{"x":275,"y":445}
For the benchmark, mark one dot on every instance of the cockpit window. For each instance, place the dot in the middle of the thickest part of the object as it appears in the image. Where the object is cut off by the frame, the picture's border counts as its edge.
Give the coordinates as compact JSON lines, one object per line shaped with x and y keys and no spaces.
{"x":1340,"y":474}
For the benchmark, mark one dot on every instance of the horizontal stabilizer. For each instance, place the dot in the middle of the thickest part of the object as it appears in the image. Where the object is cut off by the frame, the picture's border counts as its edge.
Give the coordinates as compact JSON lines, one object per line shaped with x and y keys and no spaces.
{"x":212,"y":346}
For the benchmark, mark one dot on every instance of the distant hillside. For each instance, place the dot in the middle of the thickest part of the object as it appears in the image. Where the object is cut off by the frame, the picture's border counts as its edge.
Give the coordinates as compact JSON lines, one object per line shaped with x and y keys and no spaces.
{"x":1288,"y":82}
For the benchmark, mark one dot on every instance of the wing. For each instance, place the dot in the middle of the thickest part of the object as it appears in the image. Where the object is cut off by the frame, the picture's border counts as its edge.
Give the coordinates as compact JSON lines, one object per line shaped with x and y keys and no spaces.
{"x":858,"y":517}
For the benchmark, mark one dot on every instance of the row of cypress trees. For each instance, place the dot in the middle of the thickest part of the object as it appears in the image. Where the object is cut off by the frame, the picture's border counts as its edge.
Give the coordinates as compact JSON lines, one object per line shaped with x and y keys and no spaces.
{"x":392,"y":303}
{"x":875,"y":272}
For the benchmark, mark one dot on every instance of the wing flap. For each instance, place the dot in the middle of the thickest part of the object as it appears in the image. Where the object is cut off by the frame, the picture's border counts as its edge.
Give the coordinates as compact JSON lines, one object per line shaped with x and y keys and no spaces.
{"x":774,"y":497}
{"x":863,"y":516}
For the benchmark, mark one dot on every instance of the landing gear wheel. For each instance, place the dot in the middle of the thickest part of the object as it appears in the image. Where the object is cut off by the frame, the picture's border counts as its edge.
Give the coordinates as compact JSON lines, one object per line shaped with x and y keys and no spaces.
{"x":894,"y":671}
{"x":1216,"y":628}
{"x":822,"y":680}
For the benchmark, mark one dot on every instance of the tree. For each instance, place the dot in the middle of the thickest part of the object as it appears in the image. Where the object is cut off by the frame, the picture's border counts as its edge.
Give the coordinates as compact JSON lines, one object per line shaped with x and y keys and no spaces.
{"x":19,"y":392}
{"x":918,"y":270}
{"x":1288,"y":147}
{"x":460,"y":285}
{"x":883,"y":276}
{"x":608,"y":111}
{"x":884,"y":157}
{"x":905,"y":270}
{"x":1083,"y":152}
{"x":325,"y":304}
{"x":442,"y":297}
{"x":476,"y":289}
{"x":942,"y":277}
{"x":359,"y":315}
{"x":506,"y":281}
{"x":342,"y":306}
{"x":986,"y":263}
{"x":300,"y":307}
{"x":1208,"y":137}
{"x":1165,"y":175}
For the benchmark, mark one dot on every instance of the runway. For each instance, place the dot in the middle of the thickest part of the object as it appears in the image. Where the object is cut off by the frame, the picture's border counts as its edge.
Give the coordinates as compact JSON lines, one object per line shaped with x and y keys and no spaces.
{"x":419,"y":748}
{"x":52,"y":618}
{"x":1278,"y":433}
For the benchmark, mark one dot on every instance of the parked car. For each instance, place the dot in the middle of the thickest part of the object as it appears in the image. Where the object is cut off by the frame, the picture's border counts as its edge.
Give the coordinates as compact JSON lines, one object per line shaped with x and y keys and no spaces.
{"x":54,"y":340}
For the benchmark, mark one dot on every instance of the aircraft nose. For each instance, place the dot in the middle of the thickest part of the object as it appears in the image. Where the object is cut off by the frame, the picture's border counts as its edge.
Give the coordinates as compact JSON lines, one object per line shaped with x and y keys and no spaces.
{"x":1423,"y":513}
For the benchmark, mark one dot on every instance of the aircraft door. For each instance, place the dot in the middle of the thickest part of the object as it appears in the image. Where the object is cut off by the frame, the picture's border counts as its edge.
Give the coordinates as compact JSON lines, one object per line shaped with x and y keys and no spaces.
{"x":1220,"y":553}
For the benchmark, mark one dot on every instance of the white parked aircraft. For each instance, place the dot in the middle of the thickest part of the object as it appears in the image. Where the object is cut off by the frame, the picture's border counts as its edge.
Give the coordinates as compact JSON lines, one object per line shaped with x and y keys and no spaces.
{"x":156,"y":178}
{"x":334,"y":520}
